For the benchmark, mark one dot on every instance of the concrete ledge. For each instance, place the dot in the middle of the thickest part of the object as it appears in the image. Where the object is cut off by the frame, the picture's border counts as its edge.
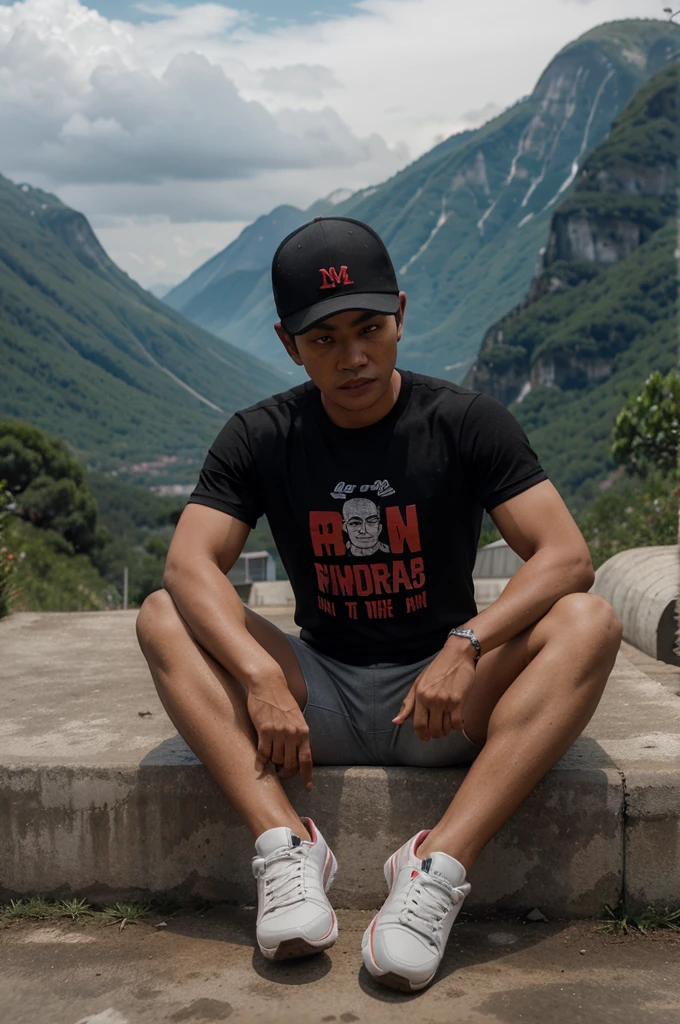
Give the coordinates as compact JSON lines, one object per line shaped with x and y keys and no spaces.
{"x":100,"y":797}
{"x":642,"y":586}
{"x":653,"y":836}
{"x":121,"y":833}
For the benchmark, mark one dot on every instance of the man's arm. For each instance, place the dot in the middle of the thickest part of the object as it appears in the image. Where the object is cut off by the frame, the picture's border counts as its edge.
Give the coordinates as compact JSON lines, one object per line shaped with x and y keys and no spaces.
{"x":540,"y":529}
{"x":205,"y":546}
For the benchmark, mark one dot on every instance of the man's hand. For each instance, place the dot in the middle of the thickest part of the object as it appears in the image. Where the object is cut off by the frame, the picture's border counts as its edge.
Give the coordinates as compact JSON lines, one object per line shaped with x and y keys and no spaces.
{"x":282,"y":733}
{"x":436,"y":698}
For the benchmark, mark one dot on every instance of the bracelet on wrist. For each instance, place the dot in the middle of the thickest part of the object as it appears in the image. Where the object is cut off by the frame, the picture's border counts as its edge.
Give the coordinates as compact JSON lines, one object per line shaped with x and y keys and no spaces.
{"x":469,"y":635}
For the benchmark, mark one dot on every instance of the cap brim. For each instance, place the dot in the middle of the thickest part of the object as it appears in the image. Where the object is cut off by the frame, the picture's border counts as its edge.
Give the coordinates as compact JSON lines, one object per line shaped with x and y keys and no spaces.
{"x":305,"y":319}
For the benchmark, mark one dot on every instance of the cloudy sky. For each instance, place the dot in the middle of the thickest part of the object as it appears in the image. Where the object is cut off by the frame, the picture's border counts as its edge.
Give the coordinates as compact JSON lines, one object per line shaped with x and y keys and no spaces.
{"x":174,"y":124}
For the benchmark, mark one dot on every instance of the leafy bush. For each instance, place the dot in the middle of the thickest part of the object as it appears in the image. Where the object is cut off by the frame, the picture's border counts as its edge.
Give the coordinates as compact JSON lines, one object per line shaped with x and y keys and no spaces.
{"x":48,"y":484}
{"x":49,"y":577}
{"x":646,"y":431}
{"x":636,"y":516}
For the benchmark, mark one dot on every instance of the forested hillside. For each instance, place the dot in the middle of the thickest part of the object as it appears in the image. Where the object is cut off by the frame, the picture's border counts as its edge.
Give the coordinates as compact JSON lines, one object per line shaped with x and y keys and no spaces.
{"x":602,"y":311}
{"x":89,"y":355}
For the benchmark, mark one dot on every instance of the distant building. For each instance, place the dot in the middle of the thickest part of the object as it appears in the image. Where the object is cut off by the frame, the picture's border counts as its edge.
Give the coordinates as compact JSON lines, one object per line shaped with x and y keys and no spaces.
{"x":252,"y":567}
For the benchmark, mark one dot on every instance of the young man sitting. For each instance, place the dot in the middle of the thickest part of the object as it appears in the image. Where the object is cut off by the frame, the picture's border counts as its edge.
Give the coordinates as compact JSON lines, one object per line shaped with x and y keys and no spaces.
{"x":374,"y":481}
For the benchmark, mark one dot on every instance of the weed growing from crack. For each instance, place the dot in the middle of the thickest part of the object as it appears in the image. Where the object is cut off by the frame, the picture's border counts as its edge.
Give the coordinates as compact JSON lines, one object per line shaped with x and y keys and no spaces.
{"x":42,"y":908}
{"x":125,"y":913}
{"x":621,"y":921}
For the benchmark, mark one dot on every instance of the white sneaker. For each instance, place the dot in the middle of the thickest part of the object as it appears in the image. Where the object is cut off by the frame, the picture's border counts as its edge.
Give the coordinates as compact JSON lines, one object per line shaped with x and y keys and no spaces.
{"x":404,"y":943}
{"x":294,"y":917}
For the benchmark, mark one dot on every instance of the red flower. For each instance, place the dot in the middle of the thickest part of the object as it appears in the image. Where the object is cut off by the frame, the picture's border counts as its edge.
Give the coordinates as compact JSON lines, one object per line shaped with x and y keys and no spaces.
{"x":10,"y":557}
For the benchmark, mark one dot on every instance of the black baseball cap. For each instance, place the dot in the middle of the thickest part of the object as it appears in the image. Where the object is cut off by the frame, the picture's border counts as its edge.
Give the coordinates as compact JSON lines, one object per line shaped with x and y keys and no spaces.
{"x":327,"y":266}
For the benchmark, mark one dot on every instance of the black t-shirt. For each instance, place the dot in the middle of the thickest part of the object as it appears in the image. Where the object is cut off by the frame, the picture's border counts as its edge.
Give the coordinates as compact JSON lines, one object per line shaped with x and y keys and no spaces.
{"x":377,"y":527}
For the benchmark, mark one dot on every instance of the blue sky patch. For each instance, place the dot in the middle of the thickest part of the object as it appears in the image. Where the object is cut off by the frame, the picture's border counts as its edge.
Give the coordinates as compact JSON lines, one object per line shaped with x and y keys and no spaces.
{"x":266,"y":12}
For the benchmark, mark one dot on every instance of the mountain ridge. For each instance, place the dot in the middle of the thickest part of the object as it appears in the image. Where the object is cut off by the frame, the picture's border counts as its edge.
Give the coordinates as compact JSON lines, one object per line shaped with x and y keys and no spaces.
{"x":465,"y":221}
{"x":91,"y":356}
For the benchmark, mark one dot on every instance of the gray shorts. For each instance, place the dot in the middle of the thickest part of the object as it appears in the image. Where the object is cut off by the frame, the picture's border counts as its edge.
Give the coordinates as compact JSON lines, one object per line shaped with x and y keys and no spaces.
{"x":350,"y":709}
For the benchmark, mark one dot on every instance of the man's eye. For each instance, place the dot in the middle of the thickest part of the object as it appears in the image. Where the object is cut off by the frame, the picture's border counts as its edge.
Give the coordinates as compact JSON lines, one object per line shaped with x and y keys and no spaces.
{"x":369,"y":327}
{"x":322,"y":340}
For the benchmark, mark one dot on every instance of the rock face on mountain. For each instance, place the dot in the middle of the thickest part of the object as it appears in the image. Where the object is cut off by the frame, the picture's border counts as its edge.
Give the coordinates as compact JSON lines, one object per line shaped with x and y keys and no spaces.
{"x":601,"y":312}
{"x":90,"y":356}
{"x":626,"y":191}
{"x":465,"y":222}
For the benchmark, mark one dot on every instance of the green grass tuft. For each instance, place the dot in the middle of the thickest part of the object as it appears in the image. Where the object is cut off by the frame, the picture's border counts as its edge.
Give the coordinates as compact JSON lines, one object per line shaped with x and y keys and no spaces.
{"x":622,"y":921}
{"x":125,"y":913}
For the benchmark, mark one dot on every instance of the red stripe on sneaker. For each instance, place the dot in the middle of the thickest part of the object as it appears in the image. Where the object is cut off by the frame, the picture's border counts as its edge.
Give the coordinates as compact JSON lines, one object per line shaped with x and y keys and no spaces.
{"x":370,"y":944}
{"x":419,"y":838}
{"x":327,"y":867}
{"x":323,"y":937}
{"x":311,"y":828}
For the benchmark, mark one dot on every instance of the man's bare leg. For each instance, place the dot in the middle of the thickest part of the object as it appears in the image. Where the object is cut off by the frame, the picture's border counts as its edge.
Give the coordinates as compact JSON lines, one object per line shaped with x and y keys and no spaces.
{"x":532,"y":697}
{"x":207,"y":706}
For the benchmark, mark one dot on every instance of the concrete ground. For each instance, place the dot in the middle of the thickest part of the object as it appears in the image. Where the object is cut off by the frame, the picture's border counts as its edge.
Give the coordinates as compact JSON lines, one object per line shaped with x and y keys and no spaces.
{"x":78,"y":715}
{"x":203,"y":969}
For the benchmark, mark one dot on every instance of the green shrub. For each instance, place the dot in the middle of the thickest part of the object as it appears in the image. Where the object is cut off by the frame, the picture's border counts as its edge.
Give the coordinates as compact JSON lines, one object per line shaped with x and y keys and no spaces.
{"x":646,"y":431}
{"x":639,"y":515}
{"x":48,"y":483}
{"x":49,"y":577}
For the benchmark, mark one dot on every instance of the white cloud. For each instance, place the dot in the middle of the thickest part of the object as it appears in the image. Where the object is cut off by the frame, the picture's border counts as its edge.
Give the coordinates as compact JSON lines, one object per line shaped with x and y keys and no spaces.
{"x":310,"y":80}
{"x":195,"y":117}
{"x":108,"y":122}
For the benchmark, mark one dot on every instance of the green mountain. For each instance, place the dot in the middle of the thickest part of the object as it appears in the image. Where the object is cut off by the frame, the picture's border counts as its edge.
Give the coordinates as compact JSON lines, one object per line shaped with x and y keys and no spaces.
{"x":90,"y":356}
{"x":465,"y":222}
{"x":251,"y":251}
{"x":601,"y":312}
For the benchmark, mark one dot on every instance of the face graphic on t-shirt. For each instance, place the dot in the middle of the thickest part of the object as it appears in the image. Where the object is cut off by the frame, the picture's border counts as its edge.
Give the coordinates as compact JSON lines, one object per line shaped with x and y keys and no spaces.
{"x":361,"y":522}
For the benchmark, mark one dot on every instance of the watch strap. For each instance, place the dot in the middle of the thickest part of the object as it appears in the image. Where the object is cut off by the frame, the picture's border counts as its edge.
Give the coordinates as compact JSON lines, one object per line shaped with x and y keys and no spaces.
{"x":469,"y":635}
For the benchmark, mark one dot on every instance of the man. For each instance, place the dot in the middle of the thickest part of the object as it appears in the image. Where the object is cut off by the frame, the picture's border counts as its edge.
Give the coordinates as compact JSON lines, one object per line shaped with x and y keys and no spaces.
{"x":373,"y":480}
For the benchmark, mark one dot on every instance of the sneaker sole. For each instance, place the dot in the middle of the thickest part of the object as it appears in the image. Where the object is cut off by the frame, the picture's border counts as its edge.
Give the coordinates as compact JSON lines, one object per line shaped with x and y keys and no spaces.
{"x":293,"y":948}
{"x":396,"y":981}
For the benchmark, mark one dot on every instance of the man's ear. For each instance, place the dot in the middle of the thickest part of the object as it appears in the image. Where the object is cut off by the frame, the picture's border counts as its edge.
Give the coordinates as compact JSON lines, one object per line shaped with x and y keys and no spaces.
{"x":288,"y":342}
{"x":400,"y":314}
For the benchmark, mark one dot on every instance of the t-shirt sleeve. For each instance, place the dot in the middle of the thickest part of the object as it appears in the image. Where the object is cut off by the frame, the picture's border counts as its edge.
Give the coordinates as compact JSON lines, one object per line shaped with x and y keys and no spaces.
{"x":228,"y":481}
{"x":496,"y":452}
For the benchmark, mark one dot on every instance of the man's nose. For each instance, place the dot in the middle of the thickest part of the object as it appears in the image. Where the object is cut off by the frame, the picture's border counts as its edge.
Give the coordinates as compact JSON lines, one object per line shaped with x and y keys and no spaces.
{"x":352,"y":356}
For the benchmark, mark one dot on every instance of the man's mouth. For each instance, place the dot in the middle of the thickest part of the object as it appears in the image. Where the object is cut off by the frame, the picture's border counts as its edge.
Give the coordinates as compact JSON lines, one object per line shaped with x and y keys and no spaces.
{"x":357,"y":384}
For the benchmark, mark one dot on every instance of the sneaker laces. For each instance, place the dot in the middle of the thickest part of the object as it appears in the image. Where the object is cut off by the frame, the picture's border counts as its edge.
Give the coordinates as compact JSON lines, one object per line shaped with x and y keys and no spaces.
{"x":284,"y":878}
{"x":425,"y":904}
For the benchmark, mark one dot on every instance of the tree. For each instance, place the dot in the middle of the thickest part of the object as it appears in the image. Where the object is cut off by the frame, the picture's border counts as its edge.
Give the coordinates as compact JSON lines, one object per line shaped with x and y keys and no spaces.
{"x":47,"y":484}
{"x":646,"y":431}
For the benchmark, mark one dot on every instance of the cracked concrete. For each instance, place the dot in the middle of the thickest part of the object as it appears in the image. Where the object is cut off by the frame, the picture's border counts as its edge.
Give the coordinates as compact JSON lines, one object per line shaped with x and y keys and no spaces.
{"x":99,"y":796}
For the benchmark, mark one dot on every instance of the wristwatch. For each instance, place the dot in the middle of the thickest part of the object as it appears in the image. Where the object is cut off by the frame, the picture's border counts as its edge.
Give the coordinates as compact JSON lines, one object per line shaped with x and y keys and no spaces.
{"x":472,"y":638}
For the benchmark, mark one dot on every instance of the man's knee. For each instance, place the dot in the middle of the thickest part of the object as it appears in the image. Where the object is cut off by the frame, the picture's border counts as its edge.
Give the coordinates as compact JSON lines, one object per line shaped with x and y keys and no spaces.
{"x":157,"y":618}
{"x":590,"y":615}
